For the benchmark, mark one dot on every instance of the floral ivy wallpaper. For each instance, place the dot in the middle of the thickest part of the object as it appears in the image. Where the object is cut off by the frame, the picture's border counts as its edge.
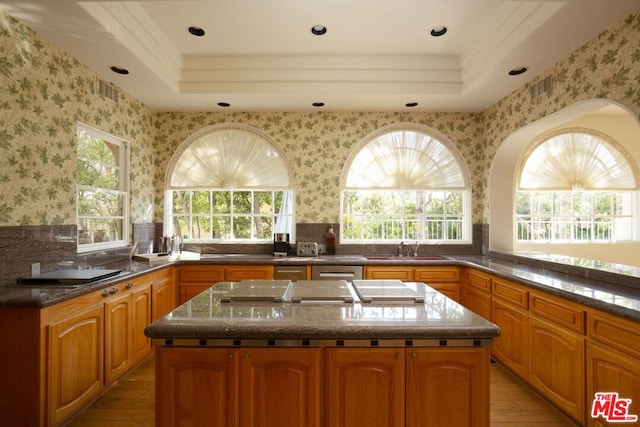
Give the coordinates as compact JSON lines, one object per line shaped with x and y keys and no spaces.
{"x":44,"y":92}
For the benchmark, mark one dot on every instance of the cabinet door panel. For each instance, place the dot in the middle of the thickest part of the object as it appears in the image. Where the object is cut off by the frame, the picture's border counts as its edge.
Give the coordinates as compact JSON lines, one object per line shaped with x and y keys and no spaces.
{"x":610,"y":370}
{"x":141,"y":315}
{"x":512,"y":346}
{"x":557,"y":366}
{"x":185,"y":375}
{"x":448,"y":387}
{"x":365,"y":387}
{"x":479,"y":302}
{"x":117,"y":337}
{"x":75,"y":363}
{"x":281,"y":387}
{"x":163,"y":298}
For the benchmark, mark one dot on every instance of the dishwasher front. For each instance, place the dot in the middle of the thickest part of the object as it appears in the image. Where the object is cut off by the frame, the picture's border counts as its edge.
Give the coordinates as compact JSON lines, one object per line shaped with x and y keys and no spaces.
{"x":336,"y":272}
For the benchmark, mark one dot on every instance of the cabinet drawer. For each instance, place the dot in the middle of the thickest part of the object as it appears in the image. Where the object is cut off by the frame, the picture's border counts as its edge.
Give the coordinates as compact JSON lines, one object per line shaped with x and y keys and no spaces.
{"x":201,"y":273}
{"x":510,"y":292}
{"x":478,"y":280}
{"x":388,"y":272}
{"x":236,"y":273}
{"x":614,"y":331}
{"x":437,"y":274}
{"x":560,"y":311}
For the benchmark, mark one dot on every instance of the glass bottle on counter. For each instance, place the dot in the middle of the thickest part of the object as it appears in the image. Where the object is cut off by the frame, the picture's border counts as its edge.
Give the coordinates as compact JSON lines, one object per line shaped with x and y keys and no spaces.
{"x":331,"y":241}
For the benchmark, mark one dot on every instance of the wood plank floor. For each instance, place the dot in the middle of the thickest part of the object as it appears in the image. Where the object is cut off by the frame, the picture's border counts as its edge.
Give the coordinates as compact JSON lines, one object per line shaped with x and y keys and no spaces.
{"x":131,"y":403}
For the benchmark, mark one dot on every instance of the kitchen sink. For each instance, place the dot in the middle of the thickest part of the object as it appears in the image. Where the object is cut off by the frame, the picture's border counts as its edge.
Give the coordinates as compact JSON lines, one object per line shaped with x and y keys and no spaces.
{"x":408,"y":258}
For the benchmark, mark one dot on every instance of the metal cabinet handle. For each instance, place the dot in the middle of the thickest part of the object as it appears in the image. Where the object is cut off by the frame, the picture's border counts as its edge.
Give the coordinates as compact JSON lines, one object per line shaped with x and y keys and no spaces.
{"x":105,"y":293}
{"x":113,"y":291}
{"x":129,"y":285}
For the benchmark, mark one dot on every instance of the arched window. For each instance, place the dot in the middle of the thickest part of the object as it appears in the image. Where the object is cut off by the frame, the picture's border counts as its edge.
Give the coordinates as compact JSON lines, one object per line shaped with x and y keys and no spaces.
{"x":228,"y":183}
{"x":576,"y":185}
{"x":406,"y":183}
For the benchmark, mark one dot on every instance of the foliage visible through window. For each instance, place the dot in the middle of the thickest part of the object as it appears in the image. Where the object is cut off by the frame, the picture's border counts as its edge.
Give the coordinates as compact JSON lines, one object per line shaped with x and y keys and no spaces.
{"x":228,"y":215}
{"x":227,"y":183}
{"x":403,"y":215}
{"x":102,"y":196}
{"x":405,"y":185}
{"x":576,"y":187}
{"x":574,"y":216}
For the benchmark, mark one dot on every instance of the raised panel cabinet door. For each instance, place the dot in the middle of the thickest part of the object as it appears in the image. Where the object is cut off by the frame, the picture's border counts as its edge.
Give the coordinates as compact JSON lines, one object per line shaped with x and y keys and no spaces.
{"x":190,"y":290}
{"x":437,"y":274}
{"x":451,"y":290}
{"x":557,"y":366}
{"x":448,"y":387}
{"x":512,"y":346}
{"x":389,"y":272}
{"x":75,"y":355}
{"x":478,"y":301}
{"x":365,"y":387}
{"x":197,"y":387}
{"x":609,"y":370}
{"x":163,"y":298}
{"x":281,"y":387}
{"x":118,"y":339}
{"x":140,"y":318}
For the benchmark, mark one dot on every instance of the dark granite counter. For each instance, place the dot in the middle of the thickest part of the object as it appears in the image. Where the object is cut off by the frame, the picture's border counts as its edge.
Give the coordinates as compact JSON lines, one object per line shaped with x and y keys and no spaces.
{"x":607,"y":288}
{"x":207,"y":317}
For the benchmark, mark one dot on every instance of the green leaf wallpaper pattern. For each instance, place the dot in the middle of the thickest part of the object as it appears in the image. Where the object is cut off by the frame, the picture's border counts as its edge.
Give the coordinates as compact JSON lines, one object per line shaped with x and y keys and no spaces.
{"x":44,"y":92}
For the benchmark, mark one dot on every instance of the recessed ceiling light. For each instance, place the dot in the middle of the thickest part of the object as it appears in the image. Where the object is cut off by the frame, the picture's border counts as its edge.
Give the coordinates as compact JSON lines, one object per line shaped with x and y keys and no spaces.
{"x":196,"y":31}
{"x":518,"y":71}
{"x":318,"y":104}
{"x":438,"y":30}
{"x":119,"y":70}
{"x":411,"y":104}
{"x":318,"y":30}
{"x":224,"y":104}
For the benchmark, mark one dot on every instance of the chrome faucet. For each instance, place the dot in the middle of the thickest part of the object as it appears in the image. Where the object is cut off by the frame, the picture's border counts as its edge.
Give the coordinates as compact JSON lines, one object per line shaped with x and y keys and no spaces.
{"x":415,"y":248}
{"x":400,"y":247}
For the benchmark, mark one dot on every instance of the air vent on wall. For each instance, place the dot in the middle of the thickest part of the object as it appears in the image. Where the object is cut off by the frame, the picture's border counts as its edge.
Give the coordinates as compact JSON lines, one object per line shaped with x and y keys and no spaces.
{"x":107,"y":90}
{"x":541,"y":87}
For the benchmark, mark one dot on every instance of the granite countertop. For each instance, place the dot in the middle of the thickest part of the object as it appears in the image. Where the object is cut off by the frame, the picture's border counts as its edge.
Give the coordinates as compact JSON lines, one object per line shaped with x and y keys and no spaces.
{"x":620,"y":297}
{"x":206,"y":316}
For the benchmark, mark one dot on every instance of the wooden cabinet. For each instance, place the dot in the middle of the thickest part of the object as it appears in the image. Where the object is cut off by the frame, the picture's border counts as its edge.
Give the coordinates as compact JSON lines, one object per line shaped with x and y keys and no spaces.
{"x":509,"y":312}
{"x":557,"y":360}
{"x":281,"y":388}
{"x":443,"y":278}
{"x":477,"y":292}
{"x":333,"y":386}
{"x":197,"y":387}
{"x":365,"y":387}
{"x":59,"y":358}
{"x":74,"y":349}
{"x":447,"y":387}
{"x":382,"y":272}
{"x":613,"y":360}
{"x":127,"y":313}
{"x":194,"y":279}
{"x":164,"y":293}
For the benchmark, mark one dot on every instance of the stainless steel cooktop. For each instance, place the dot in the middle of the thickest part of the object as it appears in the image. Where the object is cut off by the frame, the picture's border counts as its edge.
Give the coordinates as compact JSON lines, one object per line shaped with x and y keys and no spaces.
{"x":386,"y":291}
{"x":322,"y":290}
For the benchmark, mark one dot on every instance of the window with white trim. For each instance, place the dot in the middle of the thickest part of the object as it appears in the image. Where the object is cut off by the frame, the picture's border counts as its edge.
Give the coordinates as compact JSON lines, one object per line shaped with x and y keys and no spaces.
{"x":228,"y":183}
{"x":102,"y":181}
{"x":406,"y":184}
{"x":578,"y":186}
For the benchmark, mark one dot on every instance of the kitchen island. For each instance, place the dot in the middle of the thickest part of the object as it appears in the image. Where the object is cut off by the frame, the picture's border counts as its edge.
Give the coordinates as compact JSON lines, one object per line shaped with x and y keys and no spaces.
{"x":258,"y":361}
